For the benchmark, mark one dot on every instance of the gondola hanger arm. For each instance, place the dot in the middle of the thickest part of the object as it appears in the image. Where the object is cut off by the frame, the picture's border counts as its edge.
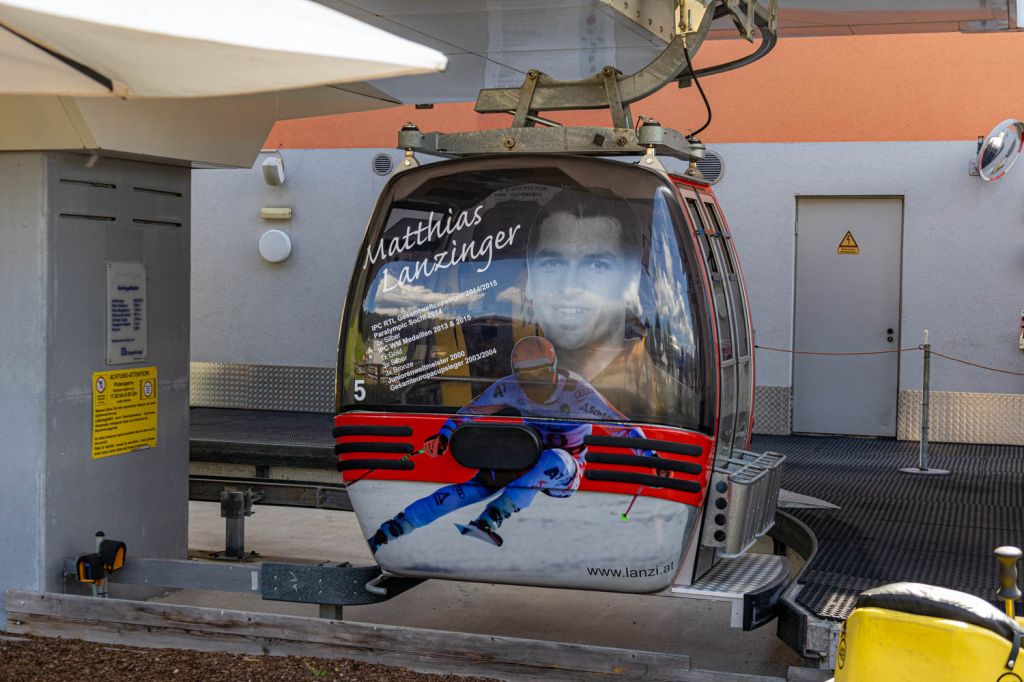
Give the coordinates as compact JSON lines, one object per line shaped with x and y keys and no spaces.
{"x":541,"y":92}
{"x":608,"y":89}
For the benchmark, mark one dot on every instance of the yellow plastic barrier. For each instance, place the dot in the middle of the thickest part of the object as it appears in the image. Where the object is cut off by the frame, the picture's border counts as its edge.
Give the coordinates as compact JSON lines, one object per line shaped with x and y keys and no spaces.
{"x":879,"y":645}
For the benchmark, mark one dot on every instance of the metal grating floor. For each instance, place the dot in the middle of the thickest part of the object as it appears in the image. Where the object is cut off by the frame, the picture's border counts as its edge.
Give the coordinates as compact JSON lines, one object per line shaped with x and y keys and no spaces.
{"x":893,"y":527}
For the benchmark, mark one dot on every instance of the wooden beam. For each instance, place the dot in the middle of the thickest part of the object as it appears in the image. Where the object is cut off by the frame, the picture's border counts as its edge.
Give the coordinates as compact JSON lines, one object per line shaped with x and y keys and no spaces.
{"x":147,"y":624}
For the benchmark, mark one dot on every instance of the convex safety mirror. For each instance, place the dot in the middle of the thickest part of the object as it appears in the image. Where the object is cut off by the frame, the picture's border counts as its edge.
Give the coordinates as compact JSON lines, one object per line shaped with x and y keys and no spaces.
{"x":1000,"y":150}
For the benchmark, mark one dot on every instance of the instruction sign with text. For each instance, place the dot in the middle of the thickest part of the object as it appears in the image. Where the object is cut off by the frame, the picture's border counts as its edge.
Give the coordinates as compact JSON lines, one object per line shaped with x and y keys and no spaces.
{"x":126,"y":313}
{"x":124,"y":406}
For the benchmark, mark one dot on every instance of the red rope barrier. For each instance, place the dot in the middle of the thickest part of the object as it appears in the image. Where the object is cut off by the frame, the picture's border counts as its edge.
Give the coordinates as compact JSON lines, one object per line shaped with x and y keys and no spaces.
{"x":811,"y":352}
{"x":974,"y":364}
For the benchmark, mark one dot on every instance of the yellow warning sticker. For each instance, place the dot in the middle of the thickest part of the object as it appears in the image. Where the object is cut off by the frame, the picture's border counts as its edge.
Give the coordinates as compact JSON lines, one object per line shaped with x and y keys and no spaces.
{"x":848,"y":245}
{"x":123,"y":411}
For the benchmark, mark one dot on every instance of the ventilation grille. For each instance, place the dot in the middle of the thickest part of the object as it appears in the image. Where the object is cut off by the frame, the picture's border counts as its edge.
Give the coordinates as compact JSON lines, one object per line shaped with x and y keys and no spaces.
{"x":712,"y":166}
{"x":382,"y":164}
{"x":86,"y":199}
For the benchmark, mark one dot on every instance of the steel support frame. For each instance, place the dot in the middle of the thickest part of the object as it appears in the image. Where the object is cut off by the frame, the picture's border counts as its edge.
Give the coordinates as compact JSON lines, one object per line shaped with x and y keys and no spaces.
{"x":325,"y":584}
{"x":287,"y":493}
{"x":586,"y":140}
{"x":609,"y":89}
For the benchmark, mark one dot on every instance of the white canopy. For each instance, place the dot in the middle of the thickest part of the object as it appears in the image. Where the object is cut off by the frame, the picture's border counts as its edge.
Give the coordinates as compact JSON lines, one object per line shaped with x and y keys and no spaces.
{"x":192,"y":48}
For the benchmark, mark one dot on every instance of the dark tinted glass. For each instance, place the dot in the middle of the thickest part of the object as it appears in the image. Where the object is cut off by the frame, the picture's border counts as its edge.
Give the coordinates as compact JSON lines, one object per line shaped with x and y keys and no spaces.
{"x":464,"y":260}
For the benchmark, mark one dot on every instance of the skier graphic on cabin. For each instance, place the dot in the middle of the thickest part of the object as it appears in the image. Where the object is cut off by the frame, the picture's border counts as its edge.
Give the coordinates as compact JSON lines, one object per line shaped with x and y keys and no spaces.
{"x":544,"y":396}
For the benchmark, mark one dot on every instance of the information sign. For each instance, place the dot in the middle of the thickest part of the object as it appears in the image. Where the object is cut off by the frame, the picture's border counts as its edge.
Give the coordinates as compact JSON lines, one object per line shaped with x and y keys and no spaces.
{"x":126,"y":313}
{"x":124,"y":408}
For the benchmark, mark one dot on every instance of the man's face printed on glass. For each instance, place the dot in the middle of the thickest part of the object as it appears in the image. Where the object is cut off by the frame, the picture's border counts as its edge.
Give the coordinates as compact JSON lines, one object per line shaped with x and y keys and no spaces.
{"x":581,"y":274}
{"x":464,"y":261}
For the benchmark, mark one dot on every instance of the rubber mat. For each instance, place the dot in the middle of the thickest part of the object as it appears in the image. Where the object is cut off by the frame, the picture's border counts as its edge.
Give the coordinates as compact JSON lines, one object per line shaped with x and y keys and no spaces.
{"x":894,"y":527}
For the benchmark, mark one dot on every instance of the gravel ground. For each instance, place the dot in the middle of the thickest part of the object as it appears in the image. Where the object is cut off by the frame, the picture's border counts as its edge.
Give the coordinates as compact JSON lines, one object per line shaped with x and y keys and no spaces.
{"x":44,"y":659}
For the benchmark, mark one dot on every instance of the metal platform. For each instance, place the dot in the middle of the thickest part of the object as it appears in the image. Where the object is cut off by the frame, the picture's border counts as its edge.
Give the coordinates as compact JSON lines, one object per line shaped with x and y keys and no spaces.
{"x":263,"y":437}
{"x":275,"y":454}
{"x":891,"y":527}
{"x":751,"y":584}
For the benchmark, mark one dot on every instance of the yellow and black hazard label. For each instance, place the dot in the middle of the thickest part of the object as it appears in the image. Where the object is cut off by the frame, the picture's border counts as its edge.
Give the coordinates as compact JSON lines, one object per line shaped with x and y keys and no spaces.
{"x":848,"y":245}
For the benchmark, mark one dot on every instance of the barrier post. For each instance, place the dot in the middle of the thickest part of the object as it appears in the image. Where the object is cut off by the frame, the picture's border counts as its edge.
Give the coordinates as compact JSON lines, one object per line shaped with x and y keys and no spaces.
{"x":922,"y":457}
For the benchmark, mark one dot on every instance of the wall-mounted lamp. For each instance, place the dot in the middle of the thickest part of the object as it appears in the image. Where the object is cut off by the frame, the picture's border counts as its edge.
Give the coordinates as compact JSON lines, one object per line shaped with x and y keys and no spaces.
{"x":275,"y":246}
{"x":273,"y":170}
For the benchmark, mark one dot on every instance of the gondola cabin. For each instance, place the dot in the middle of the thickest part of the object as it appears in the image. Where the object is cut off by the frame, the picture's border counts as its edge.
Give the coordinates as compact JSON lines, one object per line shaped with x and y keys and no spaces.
{"x":545,"y":377}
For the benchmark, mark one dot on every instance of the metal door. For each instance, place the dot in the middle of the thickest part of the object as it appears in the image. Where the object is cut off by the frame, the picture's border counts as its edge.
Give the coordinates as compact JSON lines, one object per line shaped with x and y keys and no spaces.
{"x":848,"y":262}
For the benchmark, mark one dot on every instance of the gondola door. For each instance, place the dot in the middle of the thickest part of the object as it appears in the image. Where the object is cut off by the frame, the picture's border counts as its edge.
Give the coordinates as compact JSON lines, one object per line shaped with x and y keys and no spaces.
{"x":708,"y":237}
{"x":741,"y":322}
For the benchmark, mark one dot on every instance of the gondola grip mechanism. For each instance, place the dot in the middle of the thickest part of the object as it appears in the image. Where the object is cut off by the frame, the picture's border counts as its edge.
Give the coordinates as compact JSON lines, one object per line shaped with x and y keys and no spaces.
{"x":410,"y":139}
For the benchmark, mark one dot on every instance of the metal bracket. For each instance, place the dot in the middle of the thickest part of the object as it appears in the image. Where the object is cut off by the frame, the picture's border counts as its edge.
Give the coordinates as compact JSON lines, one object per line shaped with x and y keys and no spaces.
{"x":585,"y":140}
{"x":608,"y":89}
{"x":327,"y":584}
{"x":340,"y":585}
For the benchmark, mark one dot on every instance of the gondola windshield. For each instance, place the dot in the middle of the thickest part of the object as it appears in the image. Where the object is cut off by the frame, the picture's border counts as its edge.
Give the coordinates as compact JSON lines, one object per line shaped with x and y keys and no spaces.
{"x":465,"y":259}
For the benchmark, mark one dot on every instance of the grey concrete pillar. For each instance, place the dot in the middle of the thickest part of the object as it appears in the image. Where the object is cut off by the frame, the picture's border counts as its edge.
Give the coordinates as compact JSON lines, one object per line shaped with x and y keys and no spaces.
{"x":62,"y":219}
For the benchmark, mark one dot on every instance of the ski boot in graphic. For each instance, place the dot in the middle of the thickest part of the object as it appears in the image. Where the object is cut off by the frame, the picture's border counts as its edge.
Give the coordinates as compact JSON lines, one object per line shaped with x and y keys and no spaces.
{"x":481,"y":530}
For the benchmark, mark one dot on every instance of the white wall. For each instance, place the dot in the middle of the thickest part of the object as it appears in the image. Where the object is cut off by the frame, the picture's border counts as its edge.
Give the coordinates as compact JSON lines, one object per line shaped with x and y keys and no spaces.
{"x":246,"y":310}
{"x":963,"y":248}
{"x":963,"y":273}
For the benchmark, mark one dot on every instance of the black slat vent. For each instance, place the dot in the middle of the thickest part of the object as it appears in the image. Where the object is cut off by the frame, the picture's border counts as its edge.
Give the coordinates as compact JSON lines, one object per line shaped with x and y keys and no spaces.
{"x":162,"y":223}
{"x":382,"y":164}
{"x":394,"y":448}
{"x":393,"y":464}
{"x":685,"y":449}
{"x":645,"y":480}
{"x":355,"y":430}
{"x":88,"y":183}
{"x":645,"y":462}
{"x":86,"y":216}
{"x":161,"y":192}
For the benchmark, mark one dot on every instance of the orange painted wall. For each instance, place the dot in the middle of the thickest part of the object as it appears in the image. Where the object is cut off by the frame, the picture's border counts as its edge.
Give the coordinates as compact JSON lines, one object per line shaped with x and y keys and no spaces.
{"x":947,"y":86}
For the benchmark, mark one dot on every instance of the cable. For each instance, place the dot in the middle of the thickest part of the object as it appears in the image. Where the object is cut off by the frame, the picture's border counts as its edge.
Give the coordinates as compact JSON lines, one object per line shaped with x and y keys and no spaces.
{"x":895,"y":350}
{"x":696,"y":82}
{"x":768,"y":41}
{"x":974,"y":364}
{"x":811,"y":352}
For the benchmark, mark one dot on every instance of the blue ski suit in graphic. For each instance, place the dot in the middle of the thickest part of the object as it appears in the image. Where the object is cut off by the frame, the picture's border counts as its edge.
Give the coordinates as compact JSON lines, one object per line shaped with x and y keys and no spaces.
{"x":557,"y":472}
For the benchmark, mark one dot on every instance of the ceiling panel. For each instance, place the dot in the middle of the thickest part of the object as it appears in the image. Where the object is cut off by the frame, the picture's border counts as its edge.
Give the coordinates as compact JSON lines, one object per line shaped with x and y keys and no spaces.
{"x":493,"y":42}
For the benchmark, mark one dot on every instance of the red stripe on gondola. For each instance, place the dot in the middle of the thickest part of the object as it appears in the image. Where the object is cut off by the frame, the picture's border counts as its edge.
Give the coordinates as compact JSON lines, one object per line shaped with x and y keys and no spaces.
{"x":444,"y":469}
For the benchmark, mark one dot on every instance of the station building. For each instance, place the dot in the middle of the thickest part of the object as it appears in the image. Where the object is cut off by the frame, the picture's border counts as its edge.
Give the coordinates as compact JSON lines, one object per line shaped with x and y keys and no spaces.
{"x":843,"y":168}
